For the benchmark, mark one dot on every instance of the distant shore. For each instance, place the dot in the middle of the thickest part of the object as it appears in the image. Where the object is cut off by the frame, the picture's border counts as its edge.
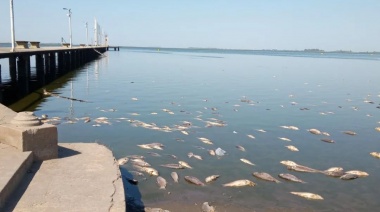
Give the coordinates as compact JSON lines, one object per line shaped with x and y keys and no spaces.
{"x":221,"y":49}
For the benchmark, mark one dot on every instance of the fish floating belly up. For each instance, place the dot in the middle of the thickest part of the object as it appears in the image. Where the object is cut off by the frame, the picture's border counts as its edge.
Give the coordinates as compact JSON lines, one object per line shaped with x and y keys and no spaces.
{"x":308,"y":195}
{"x":239,"y":183}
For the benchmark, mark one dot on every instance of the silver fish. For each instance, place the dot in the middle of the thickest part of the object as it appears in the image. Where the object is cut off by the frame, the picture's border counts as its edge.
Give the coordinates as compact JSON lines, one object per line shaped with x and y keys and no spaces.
{"x":334,"y":169}
{"x":375,"y":154}
{"x":337,"y":173}
{"x":239,"y":183}
{"x":161,"y":182}
{"x":240,"y":148}
{"x":357,"y":172}
{"x":300,"y":168}
{"x":211,"y":152}
{"x":194,"y":180}
{"x":122,"y":161}
{"x":327,"y":140}
{"x":136,"y":156}
{"x":150,"y":171}
{"x":211,"y":178}
{"x":292,"y":148}
{"x":173,"y":166}
{"x":308,"y":195}
{"x":265,"y":176}
{"x":154,"y":154}
{"x":174,"y":176}
{"x":315,"y":131}
{"x":350,"y":132}
{"x":284,"y":139}
{"x":137,"y":173}
{"x":291,"y":177}
{"x":349,"y":176}
{"x":247,"y":161}
{"x":205,"y":140}
{"x":139,"y":163}
{"x":184,"y":164}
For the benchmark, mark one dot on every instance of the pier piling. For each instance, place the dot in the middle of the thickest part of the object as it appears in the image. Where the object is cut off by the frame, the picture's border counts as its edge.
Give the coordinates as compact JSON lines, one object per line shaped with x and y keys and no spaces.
{"x":51,"y":63}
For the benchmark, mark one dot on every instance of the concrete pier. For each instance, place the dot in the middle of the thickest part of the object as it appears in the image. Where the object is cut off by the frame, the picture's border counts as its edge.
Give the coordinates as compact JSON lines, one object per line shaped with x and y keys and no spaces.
{"x":50,"y":63}
{"x":40,"y":174}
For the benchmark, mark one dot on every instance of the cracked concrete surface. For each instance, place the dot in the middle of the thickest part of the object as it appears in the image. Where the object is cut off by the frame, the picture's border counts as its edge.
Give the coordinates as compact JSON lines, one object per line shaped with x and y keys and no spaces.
{"x":85,"y":177}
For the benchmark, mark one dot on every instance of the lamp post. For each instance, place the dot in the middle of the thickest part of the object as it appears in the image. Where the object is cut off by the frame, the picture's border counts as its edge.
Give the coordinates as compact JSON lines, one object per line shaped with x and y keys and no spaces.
{"x":69,"y":14}
{"x":86,"y":34}
{"x":12,"y":26}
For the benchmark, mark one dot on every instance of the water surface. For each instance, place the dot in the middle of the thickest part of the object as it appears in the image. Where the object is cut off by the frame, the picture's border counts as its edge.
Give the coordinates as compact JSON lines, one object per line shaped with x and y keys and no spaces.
{"x":329,"y":93}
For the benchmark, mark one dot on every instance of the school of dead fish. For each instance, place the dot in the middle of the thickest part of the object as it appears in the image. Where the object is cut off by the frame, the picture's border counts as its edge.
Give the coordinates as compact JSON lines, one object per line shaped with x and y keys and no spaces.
{"x":140,"y":165}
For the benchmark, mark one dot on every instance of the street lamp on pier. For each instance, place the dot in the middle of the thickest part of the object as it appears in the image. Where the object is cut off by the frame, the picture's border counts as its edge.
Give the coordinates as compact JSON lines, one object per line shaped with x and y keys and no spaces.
{"x":69,"y":14}
{"x":12,"y":26}
{"x":86,"y":34}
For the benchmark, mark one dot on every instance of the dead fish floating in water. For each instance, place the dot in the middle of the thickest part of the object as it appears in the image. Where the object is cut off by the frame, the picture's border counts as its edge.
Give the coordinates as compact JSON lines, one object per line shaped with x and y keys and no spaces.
{"x":239,"y":183}
{"x":334,"y":172}
{"x":350,"y":132}
{"x":211,"y":152}
{"x":284,"y":139}
{"x":349,"y":177}
{"x":261,"y":130}
{"x":136,"y":156}
{"x":291,"y":177}
{"x":375,"y":154}
{"x":141,"y":163}
{"x":292,"y":148}
{"x":247,"y":161}
{"x":122,"y":161}
{"x":194,"y":180}
{"x":151,"y":146}
{"x":300,"y":168}
{"x":357,"y":172}
{"x":211,"y":178}
{"x":265,"y":176}
{"x":377,"y":129}
{"x":173,"y":166}
{"x":288,"y":163}
{"x":251,"y":136}
{"x":174,"y":176}
{"x":184,"y":164}
{"x":240,"y":148}
{"x":314,"y":131}
{"x":161,"y":182}
{"x":154,"y":154}
{"x":290,"y":127}
{"x":207,"y":208}
{"x":308,"y":195}
{"x":190,"y":155}
{"x":205,"y":140}
{"x":327,"y":140}
{"x":151,"y":171}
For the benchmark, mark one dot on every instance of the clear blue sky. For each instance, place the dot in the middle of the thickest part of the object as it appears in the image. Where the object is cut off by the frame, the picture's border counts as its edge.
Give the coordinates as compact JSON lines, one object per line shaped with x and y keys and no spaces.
{"x":240,"y":24}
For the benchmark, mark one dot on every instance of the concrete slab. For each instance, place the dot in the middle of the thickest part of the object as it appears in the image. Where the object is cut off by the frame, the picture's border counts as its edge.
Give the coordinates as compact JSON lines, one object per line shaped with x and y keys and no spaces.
{"x":13,"y":167}
{"x":84,"y":177}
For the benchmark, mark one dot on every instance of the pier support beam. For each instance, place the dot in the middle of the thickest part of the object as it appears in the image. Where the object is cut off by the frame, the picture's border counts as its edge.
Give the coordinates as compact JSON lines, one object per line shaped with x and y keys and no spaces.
{"x":40,"y":69}
{"x":12,"y":69}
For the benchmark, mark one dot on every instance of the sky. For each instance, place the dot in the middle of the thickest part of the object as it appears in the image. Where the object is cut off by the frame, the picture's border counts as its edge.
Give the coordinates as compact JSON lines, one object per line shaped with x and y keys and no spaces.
{"x":228,"y":24}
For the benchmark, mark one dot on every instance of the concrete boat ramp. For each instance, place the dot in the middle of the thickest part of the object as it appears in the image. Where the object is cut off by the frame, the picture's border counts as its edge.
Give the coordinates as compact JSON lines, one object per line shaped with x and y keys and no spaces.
{"x":69,"y":177}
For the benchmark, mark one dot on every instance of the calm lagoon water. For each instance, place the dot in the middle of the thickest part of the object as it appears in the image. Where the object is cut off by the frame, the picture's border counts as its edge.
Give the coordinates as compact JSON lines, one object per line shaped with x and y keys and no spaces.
{"x":197,"y":86}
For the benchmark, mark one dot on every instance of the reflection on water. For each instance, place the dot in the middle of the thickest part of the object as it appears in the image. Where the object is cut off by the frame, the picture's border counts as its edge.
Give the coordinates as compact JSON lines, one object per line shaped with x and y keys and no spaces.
{"x":132,"y":89}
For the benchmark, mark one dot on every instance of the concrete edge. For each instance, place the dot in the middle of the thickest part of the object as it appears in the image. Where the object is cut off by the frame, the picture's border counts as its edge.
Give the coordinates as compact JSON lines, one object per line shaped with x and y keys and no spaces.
{"x":15,"y":180}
